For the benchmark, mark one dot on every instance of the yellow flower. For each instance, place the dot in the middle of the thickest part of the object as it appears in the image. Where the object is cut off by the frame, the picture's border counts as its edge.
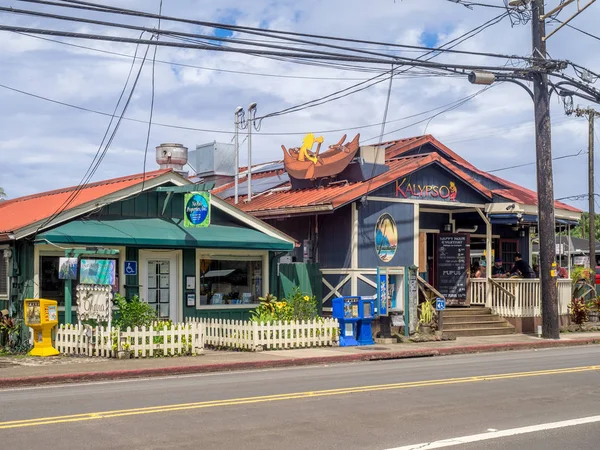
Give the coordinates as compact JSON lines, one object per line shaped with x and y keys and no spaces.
{"x":306,"y":298}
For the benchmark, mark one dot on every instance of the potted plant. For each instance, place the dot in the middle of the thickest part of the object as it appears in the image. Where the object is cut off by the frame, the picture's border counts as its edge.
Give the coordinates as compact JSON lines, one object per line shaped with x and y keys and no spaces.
{"x":124,"y":352}
{"x":427,"y":317}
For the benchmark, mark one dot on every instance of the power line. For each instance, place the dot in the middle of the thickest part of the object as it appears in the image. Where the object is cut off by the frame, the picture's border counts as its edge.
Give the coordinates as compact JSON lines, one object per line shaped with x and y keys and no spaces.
{"x":276,"y":34}
{"x":345,"y":92}
{"x":151,"y":104}
{"x":81,"y":108}
{"x":225,"y":49}
{"x":579,"y":153}
{"x":192,"y":66}
{"x":101,"y":153}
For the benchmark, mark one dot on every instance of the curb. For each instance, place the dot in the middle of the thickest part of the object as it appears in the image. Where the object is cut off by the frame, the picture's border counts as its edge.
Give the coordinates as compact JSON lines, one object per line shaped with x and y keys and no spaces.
{"x":293,"y":362}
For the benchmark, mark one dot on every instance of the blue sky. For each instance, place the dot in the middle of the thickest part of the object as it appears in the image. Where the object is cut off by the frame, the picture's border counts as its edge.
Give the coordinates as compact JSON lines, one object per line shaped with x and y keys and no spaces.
{"x":45,"y":145}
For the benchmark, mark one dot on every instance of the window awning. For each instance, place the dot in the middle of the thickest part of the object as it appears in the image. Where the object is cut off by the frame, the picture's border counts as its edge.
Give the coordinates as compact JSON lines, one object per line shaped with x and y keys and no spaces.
{"x":166,"y":233}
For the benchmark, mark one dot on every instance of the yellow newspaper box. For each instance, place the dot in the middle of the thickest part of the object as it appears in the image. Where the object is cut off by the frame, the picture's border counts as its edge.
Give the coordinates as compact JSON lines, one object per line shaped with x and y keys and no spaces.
{"x":42,"y":316}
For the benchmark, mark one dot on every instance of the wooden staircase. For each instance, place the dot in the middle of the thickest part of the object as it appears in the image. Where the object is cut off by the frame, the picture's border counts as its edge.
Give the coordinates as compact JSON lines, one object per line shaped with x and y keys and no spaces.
{"x":475,"y":321}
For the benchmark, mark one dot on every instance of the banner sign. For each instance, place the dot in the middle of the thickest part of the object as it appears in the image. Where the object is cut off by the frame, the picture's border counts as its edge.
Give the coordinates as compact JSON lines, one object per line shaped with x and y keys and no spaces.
{"x":382,"y":292}
{"x":196,"y":210}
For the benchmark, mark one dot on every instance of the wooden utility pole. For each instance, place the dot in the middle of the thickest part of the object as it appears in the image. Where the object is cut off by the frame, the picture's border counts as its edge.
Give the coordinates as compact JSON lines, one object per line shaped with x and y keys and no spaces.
{"x":592,"y":234}
{"x":591,"y":114}
{"x":545,"y":185}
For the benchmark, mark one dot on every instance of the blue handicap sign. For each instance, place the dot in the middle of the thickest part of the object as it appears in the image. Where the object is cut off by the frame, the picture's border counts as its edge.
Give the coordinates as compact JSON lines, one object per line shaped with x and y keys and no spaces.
{"x":130,"y":267}
{"x":440,"y":304}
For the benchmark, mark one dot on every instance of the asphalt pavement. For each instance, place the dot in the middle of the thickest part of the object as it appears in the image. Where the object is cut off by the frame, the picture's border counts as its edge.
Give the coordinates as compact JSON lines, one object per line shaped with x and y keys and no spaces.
{"x":366,"y":405}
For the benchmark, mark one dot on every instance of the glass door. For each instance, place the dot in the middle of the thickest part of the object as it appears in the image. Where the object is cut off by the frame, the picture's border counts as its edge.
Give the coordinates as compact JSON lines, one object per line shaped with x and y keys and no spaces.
{"x":159,"y":279}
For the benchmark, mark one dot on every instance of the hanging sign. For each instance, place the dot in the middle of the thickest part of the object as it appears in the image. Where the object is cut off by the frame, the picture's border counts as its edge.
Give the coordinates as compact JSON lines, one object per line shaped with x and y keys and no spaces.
{"x":94,"y":301}
{"x":196,"y":210}
{"x":67,"y":268}
{"x":97,"y":271}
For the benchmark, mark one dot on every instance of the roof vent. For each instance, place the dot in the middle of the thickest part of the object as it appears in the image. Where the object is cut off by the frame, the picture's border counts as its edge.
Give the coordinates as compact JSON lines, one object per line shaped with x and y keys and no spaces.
{"x":172,"y":156}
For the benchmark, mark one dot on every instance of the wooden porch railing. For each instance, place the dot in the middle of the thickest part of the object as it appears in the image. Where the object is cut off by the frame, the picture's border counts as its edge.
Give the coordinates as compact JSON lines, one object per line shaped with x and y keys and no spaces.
{"x":517,"y":297}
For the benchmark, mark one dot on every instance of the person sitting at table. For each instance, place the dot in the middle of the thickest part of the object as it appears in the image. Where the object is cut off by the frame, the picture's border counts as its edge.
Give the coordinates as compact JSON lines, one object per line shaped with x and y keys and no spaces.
{"x":522,"y":268}
{"x":498,"y":270}
{"x":479,"y":269}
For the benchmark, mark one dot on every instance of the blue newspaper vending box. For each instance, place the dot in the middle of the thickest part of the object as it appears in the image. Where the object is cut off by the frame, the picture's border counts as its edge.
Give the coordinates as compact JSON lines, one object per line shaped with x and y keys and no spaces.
{"x":345,"y":310}
{"x":366,"y":311}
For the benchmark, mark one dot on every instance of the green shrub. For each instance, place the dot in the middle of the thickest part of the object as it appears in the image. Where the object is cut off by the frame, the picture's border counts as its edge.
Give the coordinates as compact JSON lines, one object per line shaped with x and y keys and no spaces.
{"x":296,"y":306}
{"x":133,"y":313}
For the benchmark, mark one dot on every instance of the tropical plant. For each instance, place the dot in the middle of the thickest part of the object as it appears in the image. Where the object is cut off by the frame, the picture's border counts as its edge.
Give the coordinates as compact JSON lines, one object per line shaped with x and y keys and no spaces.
{"x":304,"y":307}
{"x":133,"y":313}
{"x":428,"y":313}
{"x":579,"y":311}
{"x":2,"y":194}
{"x":10,"y":333}
{"x":296,"y":306}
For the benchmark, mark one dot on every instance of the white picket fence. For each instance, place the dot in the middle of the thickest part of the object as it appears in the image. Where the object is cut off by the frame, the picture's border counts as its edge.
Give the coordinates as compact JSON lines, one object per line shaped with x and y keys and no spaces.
{"x":322,"y":332}
{"x":157,"y":340}
{"x":84,"y":340}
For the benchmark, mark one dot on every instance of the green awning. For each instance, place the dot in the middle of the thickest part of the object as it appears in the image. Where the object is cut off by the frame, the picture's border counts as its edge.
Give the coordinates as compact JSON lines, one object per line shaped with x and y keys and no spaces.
{"x":166,"y":233}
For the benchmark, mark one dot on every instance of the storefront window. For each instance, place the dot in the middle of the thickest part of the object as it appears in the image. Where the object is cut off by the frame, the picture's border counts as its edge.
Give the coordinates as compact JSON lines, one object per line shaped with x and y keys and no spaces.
{"x":230,"y":281}
{"x":3,"y":274}
{"x":53,"y":288}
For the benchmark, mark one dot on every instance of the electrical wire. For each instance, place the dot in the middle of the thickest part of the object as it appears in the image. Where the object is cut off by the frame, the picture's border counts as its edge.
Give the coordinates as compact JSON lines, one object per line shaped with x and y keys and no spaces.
{"x":573,"y":155}
{"x":192,"y":66}
{"x":379,"y":78}
{"x":277,"y":34}
{"x":101,"y":153}
{"x":179,"y":127}
{"x":151,"y":105}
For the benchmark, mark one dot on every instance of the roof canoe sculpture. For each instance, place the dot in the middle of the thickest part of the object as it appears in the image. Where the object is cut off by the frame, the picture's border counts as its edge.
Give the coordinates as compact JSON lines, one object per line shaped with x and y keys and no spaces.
{"x":304,"y":164}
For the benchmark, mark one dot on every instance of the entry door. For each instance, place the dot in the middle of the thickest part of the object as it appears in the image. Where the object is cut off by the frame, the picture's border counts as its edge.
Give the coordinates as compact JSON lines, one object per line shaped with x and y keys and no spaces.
{"x":160,"y":285}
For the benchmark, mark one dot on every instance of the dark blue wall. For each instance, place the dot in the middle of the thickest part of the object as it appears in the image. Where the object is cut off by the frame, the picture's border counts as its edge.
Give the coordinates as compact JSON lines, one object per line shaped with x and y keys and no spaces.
{"x":432,"y":175}
{"x":433,"y":221}
{"x":368,"y":215}
{"x":334,"y":238}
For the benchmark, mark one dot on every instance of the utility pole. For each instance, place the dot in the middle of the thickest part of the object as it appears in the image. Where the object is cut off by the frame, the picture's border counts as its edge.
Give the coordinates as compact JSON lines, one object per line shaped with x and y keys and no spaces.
{"x":251,"y":112}
{"x":236,"y":122}
{"x":592,"y":235}
{"x":591,"y":114}
{"x":545,"y":185}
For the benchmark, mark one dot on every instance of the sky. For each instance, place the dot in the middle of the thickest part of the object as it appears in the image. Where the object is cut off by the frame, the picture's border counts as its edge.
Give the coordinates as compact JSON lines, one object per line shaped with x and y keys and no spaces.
{"x":45,"y":145}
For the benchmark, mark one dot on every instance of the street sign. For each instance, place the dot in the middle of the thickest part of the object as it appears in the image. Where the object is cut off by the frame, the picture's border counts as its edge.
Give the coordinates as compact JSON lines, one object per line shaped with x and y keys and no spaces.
{"x":440,"y":304}
{"x":130,"y":267}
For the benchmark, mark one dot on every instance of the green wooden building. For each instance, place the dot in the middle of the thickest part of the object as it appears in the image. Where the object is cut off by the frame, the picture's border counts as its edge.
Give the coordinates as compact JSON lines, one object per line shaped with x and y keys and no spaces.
{"x":138,"y":222}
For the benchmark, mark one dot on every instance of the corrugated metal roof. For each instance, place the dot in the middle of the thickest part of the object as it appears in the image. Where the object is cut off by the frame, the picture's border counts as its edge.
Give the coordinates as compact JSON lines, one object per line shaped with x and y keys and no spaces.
{"x":23,"y":211}
{"x":400,"y":163}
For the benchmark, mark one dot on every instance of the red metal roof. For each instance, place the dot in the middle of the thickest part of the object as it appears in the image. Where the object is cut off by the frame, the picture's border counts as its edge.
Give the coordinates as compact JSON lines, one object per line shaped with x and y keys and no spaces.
{"x":333,"y":196}
{"x":23,"y":211}
{"x":400,"y":164}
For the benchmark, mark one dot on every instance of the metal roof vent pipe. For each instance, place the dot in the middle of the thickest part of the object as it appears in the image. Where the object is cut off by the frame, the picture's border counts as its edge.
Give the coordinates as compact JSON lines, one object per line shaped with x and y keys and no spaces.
{"x":172,"y":156}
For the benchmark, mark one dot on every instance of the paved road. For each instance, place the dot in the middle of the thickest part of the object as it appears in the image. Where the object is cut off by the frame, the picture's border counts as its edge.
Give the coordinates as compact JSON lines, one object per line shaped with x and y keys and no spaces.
{"x":378,"y":405}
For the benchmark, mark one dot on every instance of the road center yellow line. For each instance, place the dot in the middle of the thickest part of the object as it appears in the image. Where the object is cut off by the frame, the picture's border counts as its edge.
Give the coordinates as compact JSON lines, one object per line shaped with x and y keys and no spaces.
{"x":279,"y":397}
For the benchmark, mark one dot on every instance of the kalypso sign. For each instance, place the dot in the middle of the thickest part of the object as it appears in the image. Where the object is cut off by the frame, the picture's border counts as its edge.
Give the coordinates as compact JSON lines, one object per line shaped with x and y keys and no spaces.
{"x":196,"y":210}
{"x":405,"y":189}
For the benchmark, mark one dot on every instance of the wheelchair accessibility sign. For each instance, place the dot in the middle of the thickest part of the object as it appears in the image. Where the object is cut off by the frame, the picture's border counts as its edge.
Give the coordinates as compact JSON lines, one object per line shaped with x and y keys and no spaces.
{"x":130,"y":267}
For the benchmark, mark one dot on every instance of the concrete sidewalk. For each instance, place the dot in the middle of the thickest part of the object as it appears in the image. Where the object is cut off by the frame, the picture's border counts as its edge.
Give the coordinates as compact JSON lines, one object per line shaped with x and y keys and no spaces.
{"x":28,"y":371}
